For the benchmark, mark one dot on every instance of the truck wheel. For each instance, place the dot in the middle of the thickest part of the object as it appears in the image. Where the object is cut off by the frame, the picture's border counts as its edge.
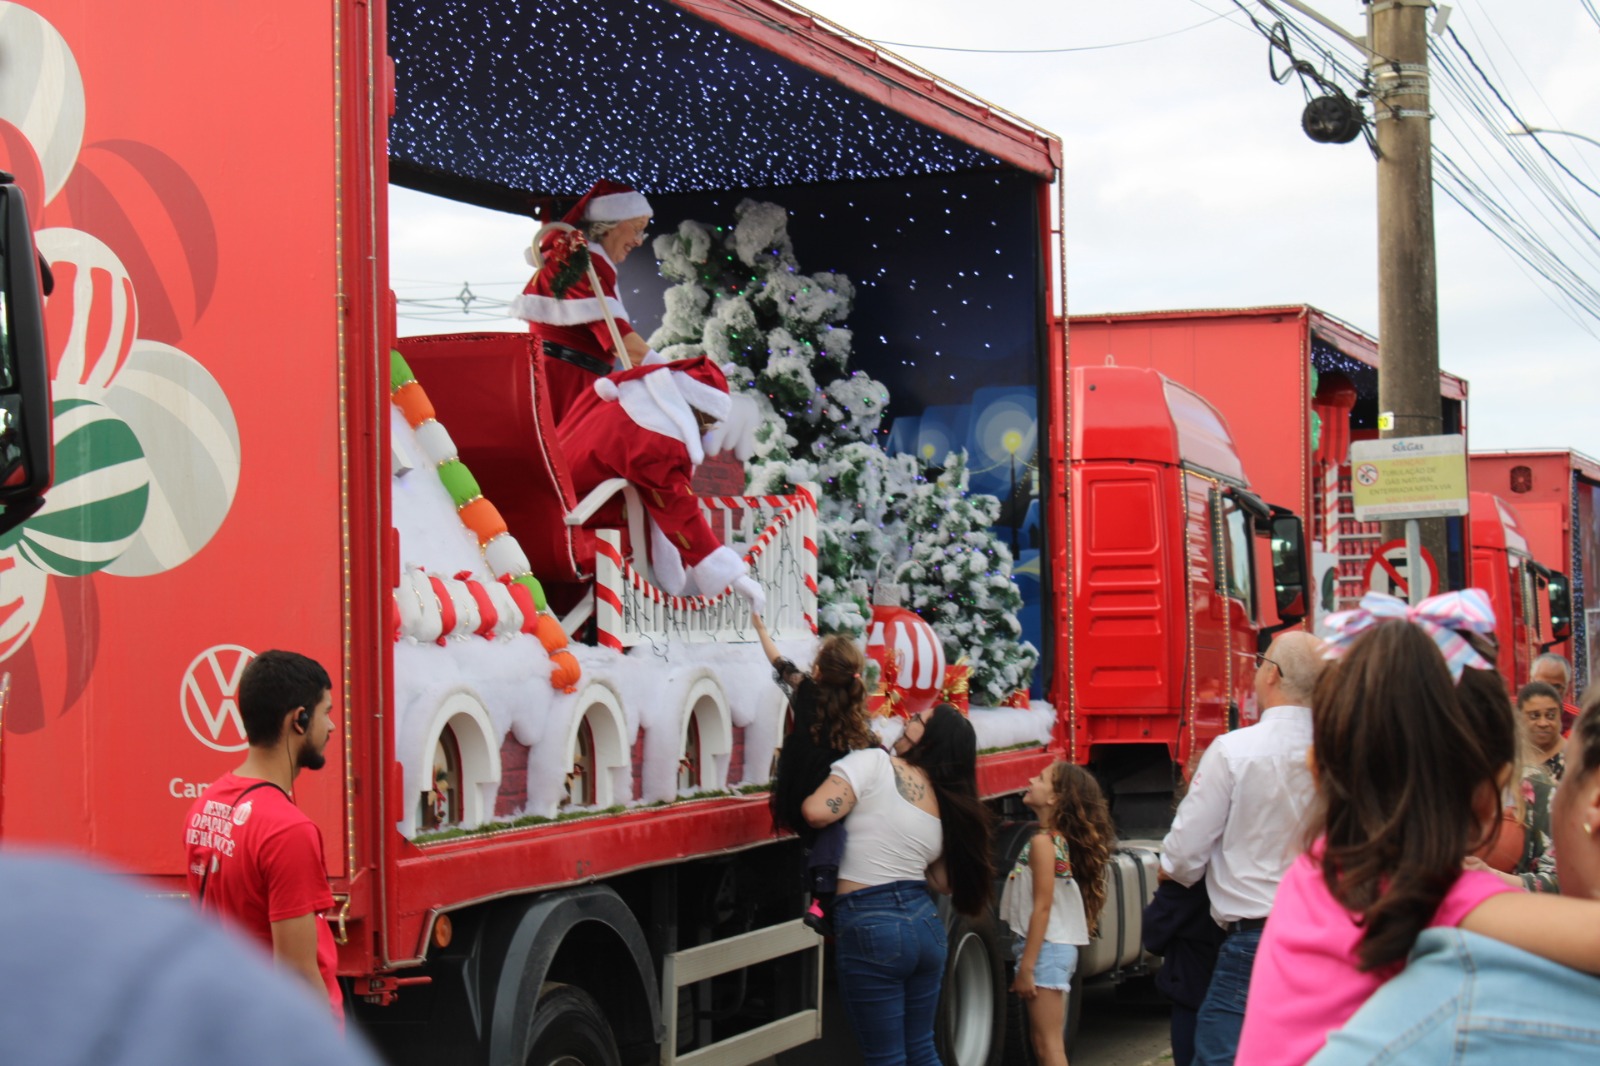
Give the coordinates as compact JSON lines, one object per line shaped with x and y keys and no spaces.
{"x":569,"y":1030}
{"x":972,"y":1004}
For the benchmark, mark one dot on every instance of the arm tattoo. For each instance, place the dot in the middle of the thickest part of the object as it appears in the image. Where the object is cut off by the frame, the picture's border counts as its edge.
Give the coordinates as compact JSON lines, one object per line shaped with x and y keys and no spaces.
{"x":909,"y":787}
{"x":834,"y":804}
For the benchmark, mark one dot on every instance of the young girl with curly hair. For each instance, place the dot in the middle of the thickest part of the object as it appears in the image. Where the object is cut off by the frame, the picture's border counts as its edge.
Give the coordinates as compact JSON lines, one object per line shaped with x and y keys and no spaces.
{"x":1054,"y":894}
{"x":829,"y":705}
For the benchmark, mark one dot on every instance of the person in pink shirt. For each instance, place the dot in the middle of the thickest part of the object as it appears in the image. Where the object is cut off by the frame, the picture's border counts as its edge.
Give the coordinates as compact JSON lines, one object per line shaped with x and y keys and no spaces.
{"x":1413,"y":739}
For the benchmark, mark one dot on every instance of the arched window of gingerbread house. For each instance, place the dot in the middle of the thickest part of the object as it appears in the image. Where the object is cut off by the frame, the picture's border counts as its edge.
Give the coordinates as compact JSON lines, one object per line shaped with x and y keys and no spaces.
{"x":454,"y":773}
{"x":441,"y":803}
{"x":597,"y":755}
{"x":581,"y":778}
{"x":689,"y":765}
{"x":707,"y":738}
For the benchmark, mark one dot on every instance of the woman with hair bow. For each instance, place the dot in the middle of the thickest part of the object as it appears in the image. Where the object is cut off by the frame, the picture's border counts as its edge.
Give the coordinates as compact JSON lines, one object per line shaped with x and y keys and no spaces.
{"x":1393,"y":822}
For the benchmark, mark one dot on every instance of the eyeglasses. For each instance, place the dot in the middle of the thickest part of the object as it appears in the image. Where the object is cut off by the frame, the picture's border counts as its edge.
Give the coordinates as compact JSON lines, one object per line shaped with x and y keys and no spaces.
{"x":1261,"y":658}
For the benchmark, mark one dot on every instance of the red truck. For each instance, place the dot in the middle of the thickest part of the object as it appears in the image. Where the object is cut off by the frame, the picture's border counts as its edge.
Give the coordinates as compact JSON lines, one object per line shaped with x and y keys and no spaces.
{"x":1556,"y":496}
{"x":1168,"y":538}
{"x":541,"y":851}
{"x":1531,"y":602}
{"x":1258,"y":365}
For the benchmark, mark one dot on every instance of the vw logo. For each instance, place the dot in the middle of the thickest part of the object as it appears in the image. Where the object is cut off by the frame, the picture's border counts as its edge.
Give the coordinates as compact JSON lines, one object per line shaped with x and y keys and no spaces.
{"x":210,"y":697}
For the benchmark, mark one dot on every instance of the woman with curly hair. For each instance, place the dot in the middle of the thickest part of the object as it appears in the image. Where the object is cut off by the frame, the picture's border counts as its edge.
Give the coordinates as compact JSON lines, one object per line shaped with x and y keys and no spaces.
{"x":829,"y":706}
{"x":1054,"y":894}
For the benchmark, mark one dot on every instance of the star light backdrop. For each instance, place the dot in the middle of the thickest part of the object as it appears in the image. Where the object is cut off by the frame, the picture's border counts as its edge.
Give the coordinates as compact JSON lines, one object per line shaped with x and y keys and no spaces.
{"x":640,"y":90}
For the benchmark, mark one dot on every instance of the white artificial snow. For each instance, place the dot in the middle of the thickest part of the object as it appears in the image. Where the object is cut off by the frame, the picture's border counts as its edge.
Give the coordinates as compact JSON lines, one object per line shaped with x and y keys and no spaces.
{"x":431,"y":534}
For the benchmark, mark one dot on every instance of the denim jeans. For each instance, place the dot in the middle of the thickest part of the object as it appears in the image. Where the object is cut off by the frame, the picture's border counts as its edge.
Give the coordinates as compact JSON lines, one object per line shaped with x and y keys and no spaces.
{"x":889,"y":945}
{"x":1221,"y":1017}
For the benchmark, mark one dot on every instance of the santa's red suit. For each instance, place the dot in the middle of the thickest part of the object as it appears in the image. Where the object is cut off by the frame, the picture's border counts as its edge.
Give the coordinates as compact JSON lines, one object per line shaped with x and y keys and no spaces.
{"x":640,"y":425}
{"x":577,"y":342}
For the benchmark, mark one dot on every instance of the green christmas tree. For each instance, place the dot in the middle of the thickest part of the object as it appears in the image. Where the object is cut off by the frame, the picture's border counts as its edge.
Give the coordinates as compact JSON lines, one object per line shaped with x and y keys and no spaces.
{"x":958,"y":578}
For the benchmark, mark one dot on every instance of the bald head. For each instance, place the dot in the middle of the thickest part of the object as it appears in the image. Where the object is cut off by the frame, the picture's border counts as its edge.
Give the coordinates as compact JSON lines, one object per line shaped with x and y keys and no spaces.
{"x":1554,"y":671}
{"x":1291,"y":675}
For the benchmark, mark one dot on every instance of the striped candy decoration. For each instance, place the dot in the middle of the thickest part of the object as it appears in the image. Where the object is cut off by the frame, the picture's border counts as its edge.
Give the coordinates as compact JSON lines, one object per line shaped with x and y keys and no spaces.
{"x":41,"y":91}
{"x":22,"y":593}
{"x":100,"y":496}
{"x":432,"y":608}
{"x":183,"y":418}
{"x":92,"y":317}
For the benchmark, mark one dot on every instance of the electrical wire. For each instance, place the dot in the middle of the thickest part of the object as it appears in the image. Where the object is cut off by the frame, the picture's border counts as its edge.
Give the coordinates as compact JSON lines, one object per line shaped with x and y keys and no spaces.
{"x":1499,"y":183}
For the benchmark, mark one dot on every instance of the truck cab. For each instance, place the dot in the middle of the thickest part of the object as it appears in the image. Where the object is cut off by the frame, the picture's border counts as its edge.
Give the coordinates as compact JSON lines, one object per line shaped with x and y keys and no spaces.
{"x":1179,"y":569}
{"x":1532,"y":603}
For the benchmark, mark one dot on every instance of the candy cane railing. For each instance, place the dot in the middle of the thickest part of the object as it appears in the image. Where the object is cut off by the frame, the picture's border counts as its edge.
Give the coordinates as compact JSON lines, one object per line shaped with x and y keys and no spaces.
{"x":631,"y":608}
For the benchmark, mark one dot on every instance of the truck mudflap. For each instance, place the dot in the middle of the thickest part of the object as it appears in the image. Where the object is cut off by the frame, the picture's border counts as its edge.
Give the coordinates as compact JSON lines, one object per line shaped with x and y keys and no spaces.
{"x":1119,"y":945}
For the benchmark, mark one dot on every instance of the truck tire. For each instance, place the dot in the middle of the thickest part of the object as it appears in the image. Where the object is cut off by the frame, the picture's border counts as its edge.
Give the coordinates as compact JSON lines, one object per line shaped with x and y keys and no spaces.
{"x":1019,"y":1034}
{"x":972,"y":1003}
{"x":569,"y":1030}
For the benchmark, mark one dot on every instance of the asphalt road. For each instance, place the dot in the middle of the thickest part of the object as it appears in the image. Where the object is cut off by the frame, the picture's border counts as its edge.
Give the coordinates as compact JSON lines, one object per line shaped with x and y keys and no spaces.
{"x":1118,"y":1031}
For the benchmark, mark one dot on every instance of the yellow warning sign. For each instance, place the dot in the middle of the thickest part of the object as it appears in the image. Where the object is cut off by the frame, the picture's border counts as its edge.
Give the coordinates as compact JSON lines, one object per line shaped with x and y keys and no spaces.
{"x":1409,"y":477}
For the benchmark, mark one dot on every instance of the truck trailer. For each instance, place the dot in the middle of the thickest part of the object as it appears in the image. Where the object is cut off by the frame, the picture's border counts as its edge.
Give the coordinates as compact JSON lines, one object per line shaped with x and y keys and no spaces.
{"x":1297,"y":386}
{"x":544,"y":850}
{"x":1556,"y":495}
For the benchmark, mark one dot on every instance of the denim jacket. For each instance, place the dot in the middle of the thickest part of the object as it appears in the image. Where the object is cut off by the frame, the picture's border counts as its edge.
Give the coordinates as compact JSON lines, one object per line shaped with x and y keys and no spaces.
{"x":1467,"y":1000}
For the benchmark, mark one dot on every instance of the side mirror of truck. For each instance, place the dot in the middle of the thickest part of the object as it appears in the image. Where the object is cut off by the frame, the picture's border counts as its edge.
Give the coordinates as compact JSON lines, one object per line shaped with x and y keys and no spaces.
{"x":25,"y":421}
{"x":1559,"y":591}
{"x":1289,"y":576}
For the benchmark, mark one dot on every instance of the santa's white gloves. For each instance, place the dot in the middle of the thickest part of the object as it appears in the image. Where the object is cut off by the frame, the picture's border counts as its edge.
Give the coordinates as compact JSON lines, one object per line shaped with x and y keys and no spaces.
{"x":746,"y":586}
{"x":737,"y":432}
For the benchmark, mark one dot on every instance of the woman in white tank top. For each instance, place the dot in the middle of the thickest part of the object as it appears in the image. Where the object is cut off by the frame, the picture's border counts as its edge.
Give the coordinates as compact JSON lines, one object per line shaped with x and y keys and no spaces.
{"x":916,"y":825}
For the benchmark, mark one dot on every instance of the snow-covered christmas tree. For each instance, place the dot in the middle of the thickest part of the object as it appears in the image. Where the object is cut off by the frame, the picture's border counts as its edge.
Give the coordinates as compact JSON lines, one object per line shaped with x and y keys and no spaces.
{"x":740,"y":297}
{"x":959,"y":579}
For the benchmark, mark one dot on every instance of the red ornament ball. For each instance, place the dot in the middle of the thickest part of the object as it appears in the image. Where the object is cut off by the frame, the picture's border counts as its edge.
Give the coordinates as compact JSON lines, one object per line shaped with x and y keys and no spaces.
{"x":910,"y":658}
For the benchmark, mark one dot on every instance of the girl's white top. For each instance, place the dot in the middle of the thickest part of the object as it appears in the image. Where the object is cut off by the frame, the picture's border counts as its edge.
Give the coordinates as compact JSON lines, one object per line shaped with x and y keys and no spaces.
{"x":888,"y":838}
{"x":1068,"y":924}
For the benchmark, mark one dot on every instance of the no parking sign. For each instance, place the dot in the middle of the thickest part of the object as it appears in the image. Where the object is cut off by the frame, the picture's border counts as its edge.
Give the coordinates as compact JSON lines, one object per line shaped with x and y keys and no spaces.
{"x":1388,"y":571}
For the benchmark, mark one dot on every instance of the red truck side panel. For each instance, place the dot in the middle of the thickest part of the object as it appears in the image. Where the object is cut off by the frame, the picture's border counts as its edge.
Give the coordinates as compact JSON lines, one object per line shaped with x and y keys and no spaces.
{"x":228,"y":383}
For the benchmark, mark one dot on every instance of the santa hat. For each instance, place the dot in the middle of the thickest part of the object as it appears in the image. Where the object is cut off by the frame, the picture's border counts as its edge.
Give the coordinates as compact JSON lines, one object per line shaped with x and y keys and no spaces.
{"x":663,"y":397}
{"x":608,"y":201}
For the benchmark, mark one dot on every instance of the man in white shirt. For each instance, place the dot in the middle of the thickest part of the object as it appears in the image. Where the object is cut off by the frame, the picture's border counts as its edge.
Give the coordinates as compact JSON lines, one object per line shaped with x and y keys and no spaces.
{"x":1239,"y":827}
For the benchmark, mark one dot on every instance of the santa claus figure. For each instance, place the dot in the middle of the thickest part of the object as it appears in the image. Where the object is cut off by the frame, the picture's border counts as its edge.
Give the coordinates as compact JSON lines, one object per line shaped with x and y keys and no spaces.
{"x":652,"y":425}
{"x":571,"y":304}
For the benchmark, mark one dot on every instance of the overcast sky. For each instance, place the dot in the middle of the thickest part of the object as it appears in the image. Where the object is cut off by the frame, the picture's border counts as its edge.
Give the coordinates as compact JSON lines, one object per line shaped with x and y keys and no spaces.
{"x":1189,"y":182}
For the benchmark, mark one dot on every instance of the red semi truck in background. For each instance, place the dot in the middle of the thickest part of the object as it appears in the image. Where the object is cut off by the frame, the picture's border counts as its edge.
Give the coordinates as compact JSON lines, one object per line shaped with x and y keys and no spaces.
{"x":1556,"y":496}
{"x":1531,"y":601}
{"x":242,"y":464}
{"x":1296,"y":385}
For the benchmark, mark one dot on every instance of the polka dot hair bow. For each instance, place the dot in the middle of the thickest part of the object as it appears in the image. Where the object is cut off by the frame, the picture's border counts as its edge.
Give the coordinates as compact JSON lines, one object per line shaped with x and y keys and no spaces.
{"x":1442,"y":617}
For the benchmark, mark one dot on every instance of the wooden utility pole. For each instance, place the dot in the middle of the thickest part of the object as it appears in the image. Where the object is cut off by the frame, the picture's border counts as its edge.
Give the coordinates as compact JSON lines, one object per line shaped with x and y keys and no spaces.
{"x":1408,"y":299}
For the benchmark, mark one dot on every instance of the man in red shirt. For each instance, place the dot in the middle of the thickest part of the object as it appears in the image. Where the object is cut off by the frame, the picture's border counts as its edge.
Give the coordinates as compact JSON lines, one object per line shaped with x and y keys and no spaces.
{"x":252,"y":854}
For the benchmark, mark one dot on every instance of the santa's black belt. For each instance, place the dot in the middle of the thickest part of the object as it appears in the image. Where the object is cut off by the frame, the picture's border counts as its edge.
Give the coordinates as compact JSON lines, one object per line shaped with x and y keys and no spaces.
{"x":582,"y":360}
